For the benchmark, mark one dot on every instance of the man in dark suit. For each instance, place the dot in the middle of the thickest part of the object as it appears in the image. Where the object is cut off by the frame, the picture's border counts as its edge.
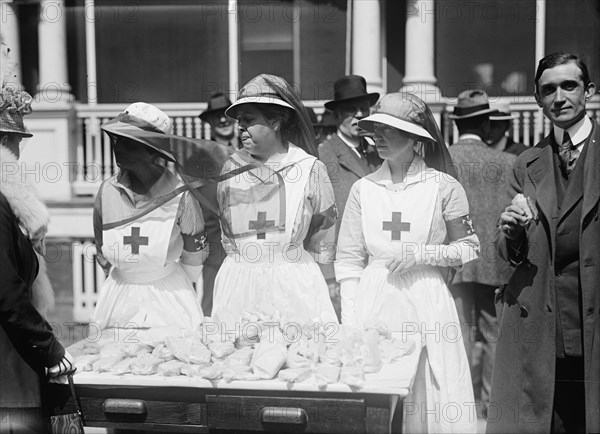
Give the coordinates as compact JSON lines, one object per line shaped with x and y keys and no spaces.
{"x":346,"y":154}
{"x":497,"y":138}
{"x":483,"y":173}
{"x":547,"y":368}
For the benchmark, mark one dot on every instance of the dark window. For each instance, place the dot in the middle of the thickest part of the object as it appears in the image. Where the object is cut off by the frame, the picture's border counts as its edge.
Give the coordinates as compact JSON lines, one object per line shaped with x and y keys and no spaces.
{"x":485,"y":44}
{"x":574,"y":27}
{"x":159,"y":51}
{"x":303,"y":41}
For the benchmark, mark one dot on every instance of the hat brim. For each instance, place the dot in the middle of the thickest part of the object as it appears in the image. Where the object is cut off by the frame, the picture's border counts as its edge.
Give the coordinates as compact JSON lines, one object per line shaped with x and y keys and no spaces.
{"x":20,"y":133}
{"x":471,"y":115}
{"x":502,"y":117}
{"x":13,"y":124}
{"x":139,"y":135}
{"x":372,"y":97}
{"x":383,"y":118}
{"x":207,"y":113}
{"x":232,"y":110}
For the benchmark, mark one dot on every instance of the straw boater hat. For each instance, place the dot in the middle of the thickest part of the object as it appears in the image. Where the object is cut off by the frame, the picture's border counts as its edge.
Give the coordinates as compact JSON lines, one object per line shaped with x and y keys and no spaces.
{"x":350,"y":88}
{"x":143,"y":123}
{"x":471,"y":103}
{"x":14,"y":104}
{"x":403,"y":111}
{"x":501,"y":112}
{"x":217,"y":103}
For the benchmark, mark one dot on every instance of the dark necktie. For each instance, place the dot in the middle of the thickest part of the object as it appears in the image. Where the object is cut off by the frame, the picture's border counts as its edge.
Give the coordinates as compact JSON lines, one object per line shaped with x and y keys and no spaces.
{"x":568,"y":154}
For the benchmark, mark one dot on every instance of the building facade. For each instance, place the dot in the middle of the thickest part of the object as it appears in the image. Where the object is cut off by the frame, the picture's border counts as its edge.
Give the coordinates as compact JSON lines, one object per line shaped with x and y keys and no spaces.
{"x":85,"y":60}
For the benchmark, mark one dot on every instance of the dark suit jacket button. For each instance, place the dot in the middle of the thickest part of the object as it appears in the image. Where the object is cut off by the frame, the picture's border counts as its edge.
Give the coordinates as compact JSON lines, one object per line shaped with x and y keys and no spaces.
{"x":524,"y":312}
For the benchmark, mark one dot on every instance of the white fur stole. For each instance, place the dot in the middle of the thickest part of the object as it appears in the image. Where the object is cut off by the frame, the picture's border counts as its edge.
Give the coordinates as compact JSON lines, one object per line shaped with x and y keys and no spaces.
{"x":33,"y":218}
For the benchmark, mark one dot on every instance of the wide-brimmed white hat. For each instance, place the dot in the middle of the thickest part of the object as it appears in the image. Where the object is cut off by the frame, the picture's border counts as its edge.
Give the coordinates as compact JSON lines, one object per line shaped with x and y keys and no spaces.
{"x":143,"y":123}
{"x":259,"y":91}
{"x":151,"y":114}
{"x":400,"y":110}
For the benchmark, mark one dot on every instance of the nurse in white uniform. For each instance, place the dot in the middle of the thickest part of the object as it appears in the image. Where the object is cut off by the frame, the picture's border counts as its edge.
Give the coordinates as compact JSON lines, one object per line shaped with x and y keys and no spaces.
{"x":149,"y":230}
{"x":277,"y":218}
{"x":404,"y":227}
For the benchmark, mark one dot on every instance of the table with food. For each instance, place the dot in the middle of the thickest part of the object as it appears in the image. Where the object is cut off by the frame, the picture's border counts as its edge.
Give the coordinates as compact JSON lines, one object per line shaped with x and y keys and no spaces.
{"x":260,"y":373}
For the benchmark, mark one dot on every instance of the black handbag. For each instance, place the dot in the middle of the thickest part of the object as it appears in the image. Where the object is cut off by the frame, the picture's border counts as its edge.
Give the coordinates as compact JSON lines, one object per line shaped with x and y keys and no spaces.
{"x":71,"y":423}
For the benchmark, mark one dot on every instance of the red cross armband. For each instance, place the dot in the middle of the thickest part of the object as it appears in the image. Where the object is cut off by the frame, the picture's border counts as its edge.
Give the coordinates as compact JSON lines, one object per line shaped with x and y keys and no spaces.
{"x":460,"y":227}
{"x":194,"y":243}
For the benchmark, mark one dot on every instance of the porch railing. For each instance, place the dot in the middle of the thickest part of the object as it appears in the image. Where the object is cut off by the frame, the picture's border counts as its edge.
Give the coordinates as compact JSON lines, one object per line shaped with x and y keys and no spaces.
{"x":88,"y":278}
{"x":529,"y":125}
{"x":95,"y":161}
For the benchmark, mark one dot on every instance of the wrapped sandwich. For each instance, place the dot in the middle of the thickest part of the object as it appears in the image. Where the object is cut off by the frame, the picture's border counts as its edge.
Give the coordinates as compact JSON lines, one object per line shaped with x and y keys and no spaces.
{"x":527,"y":205}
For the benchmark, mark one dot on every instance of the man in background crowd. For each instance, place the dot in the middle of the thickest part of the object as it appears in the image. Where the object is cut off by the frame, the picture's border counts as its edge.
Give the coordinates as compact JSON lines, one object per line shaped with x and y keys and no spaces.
{"x":347,"y":156}
{"x":222,"y":128}
{"x":483,"y":172}
{"x":499,"y":132}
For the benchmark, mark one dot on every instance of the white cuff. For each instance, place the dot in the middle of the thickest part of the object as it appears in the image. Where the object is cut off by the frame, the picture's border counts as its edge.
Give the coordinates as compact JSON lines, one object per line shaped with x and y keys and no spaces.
{"x":348,"y":289}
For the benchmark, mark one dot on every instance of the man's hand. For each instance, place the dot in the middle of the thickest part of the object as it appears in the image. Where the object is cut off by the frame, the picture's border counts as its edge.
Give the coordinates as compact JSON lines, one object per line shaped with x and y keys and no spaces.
{"x":513,"y":221}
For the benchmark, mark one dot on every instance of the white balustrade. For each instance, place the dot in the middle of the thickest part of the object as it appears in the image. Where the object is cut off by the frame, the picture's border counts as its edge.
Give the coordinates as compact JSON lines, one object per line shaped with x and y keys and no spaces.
{"x":88,"y":278}
{"x":516,"y":122}
{"x":526,"y":128}
{"x":95,"y":161}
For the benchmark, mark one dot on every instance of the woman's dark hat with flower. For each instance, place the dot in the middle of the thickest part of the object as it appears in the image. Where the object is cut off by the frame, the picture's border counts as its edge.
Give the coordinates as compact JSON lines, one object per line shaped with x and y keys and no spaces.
{"x":14,"y":104}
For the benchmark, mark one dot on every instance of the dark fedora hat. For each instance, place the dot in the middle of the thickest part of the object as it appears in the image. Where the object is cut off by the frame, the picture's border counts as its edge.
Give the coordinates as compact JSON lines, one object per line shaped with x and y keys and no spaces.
{"x":218,"y":102}
{"x":349,"y":88}
{"x":471,"y":103}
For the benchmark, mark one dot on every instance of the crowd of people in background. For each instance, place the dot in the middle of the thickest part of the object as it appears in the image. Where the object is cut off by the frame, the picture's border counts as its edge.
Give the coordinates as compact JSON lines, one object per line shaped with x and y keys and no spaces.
{"x":364,"y":215}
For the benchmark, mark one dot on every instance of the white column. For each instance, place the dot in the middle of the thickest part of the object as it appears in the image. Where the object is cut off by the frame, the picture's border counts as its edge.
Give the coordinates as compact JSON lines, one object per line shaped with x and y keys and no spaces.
{"x":53,"y":84}
{"x":234,"y":49}
{"x":540,"y":52}
{"x":367,"y":59}
{"x":540,"y":31}
{"x":10,"y":37}
{"x":90,"y":51}
{"x":419,"y":75}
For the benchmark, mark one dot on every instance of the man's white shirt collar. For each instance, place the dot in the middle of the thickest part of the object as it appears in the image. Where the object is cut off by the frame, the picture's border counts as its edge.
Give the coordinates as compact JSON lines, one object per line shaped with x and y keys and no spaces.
{"x":469,"y":136}
{"x":578,"y":132}
{"x":351,"y":145}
